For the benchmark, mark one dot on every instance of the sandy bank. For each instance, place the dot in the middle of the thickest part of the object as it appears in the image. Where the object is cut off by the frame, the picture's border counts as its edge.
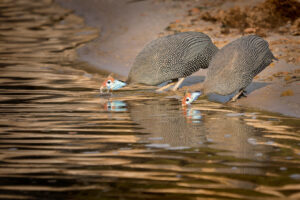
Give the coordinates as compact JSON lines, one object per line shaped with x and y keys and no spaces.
{"x":125,"y":27}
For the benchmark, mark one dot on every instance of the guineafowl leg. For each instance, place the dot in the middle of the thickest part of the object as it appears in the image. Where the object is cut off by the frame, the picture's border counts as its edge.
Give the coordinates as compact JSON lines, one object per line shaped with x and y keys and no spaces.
{"x":241,"y":93}
{"x":178,"y":84}
{"x":165,"y":87}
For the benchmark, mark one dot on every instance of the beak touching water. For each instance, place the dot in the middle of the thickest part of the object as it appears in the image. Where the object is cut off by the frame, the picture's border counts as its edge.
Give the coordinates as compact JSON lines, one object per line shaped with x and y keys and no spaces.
{"x":190,"y":97}
{"x":111,"y":84}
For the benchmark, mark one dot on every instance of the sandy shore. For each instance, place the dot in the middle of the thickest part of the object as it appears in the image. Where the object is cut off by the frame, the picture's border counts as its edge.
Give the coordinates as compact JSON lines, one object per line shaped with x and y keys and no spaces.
{"x":126,"y":26}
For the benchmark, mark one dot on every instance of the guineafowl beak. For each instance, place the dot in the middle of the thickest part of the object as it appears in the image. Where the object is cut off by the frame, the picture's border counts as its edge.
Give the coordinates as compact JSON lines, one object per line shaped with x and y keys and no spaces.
{"x":190,"y":97}
{"x":103,"y":87}
{"x":111,"y":84}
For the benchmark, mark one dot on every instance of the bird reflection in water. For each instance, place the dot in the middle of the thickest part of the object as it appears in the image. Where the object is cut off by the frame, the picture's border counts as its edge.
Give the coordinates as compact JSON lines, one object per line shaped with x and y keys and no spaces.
{"x":192,"y":115}
{"x":115,"y":106}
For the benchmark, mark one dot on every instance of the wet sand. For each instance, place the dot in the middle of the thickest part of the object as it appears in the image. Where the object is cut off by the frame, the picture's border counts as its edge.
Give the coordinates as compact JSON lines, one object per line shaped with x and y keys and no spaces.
{"x":126,"y":26}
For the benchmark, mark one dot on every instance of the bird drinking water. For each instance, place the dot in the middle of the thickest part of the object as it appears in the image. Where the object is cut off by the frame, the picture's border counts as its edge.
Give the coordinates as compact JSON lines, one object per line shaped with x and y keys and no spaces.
{"x":235,"y":65}
{"x":168,"y":58}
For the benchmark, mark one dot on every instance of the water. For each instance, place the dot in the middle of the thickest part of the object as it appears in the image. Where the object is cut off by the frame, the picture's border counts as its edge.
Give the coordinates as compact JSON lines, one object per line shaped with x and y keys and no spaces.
{"x":59,"y":139}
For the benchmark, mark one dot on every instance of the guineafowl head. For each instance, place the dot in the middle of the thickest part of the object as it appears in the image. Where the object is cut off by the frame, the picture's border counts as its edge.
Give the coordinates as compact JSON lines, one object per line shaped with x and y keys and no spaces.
{"x":189,"y":97}
{"x":110,"y":83}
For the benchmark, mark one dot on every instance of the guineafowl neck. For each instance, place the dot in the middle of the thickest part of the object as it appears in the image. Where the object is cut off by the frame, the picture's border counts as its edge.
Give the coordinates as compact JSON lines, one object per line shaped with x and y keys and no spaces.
{"x":127,"y":81}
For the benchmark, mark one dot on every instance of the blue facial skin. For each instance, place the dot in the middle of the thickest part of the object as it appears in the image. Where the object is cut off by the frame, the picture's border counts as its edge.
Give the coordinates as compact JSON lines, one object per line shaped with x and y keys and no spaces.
{"x":190,"y":98}
{"x":195,"y":96}
{"x":116,"y":85}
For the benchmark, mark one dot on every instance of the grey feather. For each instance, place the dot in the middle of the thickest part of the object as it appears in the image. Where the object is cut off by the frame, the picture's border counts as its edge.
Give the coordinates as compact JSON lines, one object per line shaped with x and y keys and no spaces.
{"x":172,"y":57}
{"x":236,"y":64}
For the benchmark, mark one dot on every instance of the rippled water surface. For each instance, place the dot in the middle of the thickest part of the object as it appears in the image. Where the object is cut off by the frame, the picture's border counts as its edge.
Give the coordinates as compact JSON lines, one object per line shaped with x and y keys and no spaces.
{"x":60,"y":140}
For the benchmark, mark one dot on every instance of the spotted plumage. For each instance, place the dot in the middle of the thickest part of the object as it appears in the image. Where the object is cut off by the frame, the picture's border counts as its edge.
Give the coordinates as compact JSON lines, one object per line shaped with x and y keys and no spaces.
{"x":172,"y":57}
{"x":234,"y":66}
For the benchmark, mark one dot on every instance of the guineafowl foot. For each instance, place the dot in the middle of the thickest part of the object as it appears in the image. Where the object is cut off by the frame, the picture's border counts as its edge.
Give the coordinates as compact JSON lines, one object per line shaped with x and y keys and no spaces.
{"x":178,"y":84}
{"x":240,"y":94}
{"x":165,"y":87}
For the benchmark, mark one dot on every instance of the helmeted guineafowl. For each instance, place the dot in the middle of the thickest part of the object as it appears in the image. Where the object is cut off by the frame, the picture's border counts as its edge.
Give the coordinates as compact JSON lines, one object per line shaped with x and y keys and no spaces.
{"x":234,"y":66}
{"x":169,"y":58}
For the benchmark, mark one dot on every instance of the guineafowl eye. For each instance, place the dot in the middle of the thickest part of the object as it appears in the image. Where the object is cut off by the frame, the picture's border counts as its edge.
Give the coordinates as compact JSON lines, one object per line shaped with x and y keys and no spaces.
{"x":187,"y":99}
{"x":108,"y":82}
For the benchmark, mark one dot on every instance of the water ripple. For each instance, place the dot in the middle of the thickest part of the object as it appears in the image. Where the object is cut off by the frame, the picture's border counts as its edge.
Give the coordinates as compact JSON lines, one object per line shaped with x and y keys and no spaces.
{"x":60,"y":140}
